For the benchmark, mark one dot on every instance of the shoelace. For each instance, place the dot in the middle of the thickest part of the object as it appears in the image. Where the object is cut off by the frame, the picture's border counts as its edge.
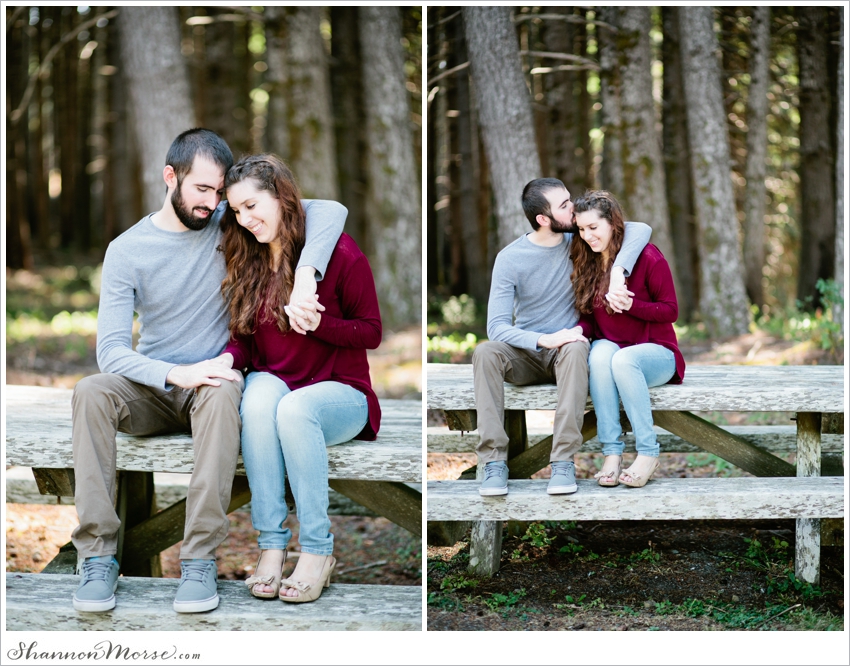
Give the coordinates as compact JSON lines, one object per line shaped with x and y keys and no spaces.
{"x":194,"y":570}
{"x":561,"y":467}
{"x":492,"y":470}
{"x":94,"y":570}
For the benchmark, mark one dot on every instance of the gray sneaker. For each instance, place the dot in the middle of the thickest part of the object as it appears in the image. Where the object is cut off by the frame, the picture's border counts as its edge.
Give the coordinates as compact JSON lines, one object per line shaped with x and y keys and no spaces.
{"x":99,"y":579}
{"x":495,"y":479}
{"x":197,"y":592}
{"x":563,"y":481}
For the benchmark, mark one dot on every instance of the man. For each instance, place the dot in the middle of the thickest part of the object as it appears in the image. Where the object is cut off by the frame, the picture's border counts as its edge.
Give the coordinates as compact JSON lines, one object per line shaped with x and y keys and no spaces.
{"x":533,"y":331}
{"x":168,"y":268}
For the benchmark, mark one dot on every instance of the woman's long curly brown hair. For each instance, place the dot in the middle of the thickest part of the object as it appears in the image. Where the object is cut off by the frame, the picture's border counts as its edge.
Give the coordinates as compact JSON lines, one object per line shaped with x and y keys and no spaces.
{"x":590,"y":275}
{"x":251,"y":283}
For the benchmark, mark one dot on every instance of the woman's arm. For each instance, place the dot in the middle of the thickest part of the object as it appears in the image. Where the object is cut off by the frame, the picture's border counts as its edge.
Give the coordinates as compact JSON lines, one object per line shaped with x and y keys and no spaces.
{"x":360,"y":325}
{"x":239,"y":348}
{"x":588,"y":326}
{"x":663,"y":306}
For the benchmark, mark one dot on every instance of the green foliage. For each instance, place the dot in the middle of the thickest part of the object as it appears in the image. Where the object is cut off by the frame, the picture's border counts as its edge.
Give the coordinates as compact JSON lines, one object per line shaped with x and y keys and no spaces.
{"x":498,"y":600}
{"x":646,"y":555}
{"x":444,"y":602}
{"x":457,"y":581}
{"x":453,"y":348}
{"x":537,"y":536}
{"x":573,"y":549}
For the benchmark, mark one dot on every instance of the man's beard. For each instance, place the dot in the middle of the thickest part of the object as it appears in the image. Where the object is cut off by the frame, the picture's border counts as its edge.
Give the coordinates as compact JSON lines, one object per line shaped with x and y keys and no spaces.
{"x":561,"y":228}
{"x":185,"y":215}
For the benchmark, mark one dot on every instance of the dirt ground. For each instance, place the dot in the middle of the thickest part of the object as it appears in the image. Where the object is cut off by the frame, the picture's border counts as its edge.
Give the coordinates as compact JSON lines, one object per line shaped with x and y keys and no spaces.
{"x":642,"y":575}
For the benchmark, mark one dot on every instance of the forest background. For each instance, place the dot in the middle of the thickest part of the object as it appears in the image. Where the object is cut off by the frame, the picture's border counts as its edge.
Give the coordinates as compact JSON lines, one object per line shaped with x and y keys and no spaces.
{"x":722,"y":128}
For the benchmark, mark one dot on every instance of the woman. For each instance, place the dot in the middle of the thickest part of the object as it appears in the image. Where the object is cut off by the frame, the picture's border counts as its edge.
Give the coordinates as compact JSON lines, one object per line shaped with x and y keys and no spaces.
{"x":303,"y":392}
{"x":632,"y":350}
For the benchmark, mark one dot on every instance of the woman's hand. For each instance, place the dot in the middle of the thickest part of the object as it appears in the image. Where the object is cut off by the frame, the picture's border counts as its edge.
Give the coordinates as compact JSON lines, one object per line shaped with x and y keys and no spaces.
{"x":304,"y":308}
{"x":225,"y":360}
{"x":618,"y":297}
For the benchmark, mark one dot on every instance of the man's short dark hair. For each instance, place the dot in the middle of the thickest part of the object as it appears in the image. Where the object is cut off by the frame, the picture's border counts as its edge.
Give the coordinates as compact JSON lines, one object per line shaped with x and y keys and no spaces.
{"x":534,"y":201}
{"x":197,"y":141}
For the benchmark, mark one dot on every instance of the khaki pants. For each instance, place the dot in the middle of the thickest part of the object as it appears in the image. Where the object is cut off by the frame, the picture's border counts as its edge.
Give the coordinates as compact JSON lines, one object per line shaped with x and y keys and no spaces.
{"x":107,"y":403}
{"x":493,"y":363}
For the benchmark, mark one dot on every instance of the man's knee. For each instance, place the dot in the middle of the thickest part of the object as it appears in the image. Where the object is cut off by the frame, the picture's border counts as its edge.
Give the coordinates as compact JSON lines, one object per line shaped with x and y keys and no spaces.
{"x":93,"y":390}
{"x":488,"y":354}
{"x":228,"y":394}
{"x":578,"y":350}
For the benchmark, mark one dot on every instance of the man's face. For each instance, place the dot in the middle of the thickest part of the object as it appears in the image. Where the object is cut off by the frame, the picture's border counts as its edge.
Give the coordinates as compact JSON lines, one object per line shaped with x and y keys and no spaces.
{"x":196,"y":197}
{"x":561,"y":210}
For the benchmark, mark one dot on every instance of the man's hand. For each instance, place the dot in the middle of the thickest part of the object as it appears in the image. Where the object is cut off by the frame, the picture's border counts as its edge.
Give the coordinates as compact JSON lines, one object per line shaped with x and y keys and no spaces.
{"x":618,"y":297}
{"x":303,"y":308}
{"x":225,"y":360}
{"x":560,"y":338}
{"x":204,"y":373}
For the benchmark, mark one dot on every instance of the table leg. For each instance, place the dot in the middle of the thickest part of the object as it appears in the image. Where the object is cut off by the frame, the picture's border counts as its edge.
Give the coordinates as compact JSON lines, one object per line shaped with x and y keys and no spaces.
{"x":807,"y":556}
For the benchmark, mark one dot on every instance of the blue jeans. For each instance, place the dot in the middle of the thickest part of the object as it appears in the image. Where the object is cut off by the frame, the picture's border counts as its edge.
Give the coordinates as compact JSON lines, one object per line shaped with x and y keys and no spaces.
{"x":288,"y":431}
{"x":627,"y":374}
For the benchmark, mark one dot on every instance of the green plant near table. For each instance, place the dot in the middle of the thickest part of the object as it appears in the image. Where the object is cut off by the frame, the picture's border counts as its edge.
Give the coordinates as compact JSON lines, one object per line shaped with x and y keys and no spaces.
{"x":537,"y":536}
{"x":457,"y":581}
{"x":498,"y":600}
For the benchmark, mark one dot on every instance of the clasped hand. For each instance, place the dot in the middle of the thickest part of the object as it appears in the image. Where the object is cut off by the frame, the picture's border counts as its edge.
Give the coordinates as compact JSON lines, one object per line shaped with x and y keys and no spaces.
{"x":560,"y":338}
{"x":304,"y":310}
{"x":619,"y":297}
{"x":205,"y":373}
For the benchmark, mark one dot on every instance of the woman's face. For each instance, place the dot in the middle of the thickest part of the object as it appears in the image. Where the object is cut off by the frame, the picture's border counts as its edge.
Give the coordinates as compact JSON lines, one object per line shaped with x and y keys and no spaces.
{"x":255,"y":209}
{"x":594,"y":230}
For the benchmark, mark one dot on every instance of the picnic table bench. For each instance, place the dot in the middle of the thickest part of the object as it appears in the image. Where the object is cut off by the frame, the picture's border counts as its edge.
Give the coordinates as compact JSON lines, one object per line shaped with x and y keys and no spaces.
{"x":381,"y":476}
{"x":780,"y":489}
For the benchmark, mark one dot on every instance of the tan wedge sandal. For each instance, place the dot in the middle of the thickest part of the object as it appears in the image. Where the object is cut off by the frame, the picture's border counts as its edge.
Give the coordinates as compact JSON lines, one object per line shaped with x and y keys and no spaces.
{"x":272,"y":581}
{"x":309,"y":591}
{"x":609,"y":479}
{"x":638,"y":480}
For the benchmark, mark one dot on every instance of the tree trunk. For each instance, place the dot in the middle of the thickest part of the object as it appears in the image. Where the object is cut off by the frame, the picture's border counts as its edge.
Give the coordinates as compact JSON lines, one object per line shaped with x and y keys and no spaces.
{"x":309,"y":134}
{"x":393,"y":203}
{"x":838,"y":308}
{"x":644,"y":194}
{"x":677,"y":168}
{"x":220,"y":77}
{"x":38,"y":121}
{"x":723,"y":299}
{"x":465,"y":175}
{"x":348,"y":119}
{"x":560,"y":143}
{"x":817,"y":170}
{"x":160,"y":97}
{"x":82,"y":160}
{"x":609,"y":92}
{"x":754,"y":200}
{"x":504,"y":111}
{"x":66,"y":128}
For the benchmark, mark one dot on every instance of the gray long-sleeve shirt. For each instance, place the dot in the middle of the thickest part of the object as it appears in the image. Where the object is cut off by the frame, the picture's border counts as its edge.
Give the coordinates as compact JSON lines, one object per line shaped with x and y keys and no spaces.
{"x":531,"y":293}
{"x":173,"y":281}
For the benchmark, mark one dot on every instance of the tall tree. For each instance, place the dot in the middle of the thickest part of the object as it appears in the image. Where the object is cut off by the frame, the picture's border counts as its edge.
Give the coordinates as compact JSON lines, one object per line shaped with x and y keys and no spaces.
{"x":504,"y":109}
{"x":609,"y":93}
{"x":756,"y":169}
{"x":838,"y":309}
{"x":304,"y":133}
{"x":393,"y":202}
{"x":159,"y":89}
{"x":723,"y":299}
{"x":560,"y":144}
{"x":677,"y":169}
{"x":817,"y":171}
{"x":643,"y":194}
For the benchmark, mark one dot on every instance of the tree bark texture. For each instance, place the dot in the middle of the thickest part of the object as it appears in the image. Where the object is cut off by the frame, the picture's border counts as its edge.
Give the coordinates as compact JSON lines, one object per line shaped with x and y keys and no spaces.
{"x":393,"y":202}
{"x":644,"y":196}
{"x":304,"y":85}
{"x":817,"y":172}
{"x":473,"y":228}
{"x":559,"y":135}
{"x":348,"y":119}
{"x":504,"y":109}
{"x":677,"y":169}
{"x":160,"y":97}
{"x":609,"y":94}
{"x":838,"y":308}
{"x":723,"y":299}
{"x":756,"y":169}
{"x":65,"y":116}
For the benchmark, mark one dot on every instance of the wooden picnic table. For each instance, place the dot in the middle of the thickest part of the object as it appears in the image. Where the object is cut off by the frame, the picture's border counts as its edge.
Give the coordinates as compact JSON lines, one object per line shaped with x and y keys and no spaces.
{"x":814,"y":393}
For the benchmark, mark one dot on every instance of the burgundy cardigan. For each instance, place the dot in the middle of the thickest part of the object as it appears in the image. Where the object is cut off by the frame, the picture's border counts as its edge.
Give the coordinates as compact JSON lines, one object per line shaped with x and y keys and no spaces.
{"x":653,"y":311}
{"x":336,"y":350}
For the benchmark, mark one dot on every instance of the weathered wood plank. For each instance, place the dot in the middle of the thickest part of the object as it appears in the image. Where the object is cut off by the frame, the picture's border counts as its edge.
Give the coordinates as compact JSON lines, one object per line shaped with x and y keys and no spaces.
{"x":57,"y":482}
{"x":38,"y":434}
{"x":715,"y":440}
{"x":396,"y":501}
{"x":661,"y":499}
{"x":776,"y":439}
{"x":734,"y":388}
{"x":42,"y":603}
{"x":462,"y":420}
